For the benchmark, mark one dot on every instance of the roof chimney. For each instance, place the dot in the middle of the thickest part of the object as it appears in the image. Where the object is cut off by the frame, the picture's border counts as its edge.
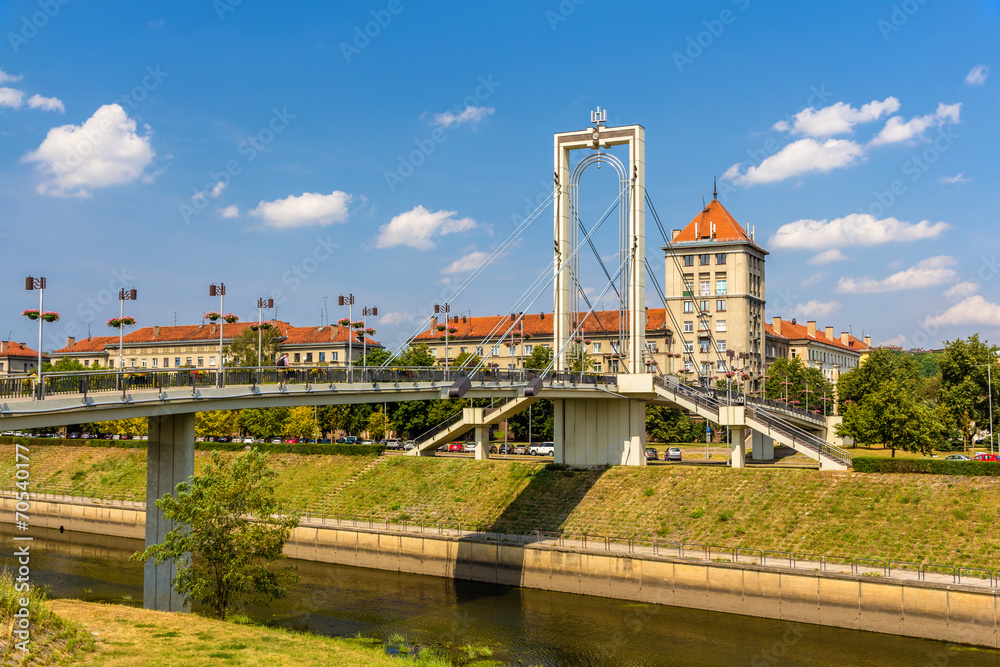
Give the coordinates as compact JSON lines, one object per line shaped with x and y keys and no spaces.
{"x":70,"y":341}
{"x":434,"y":322}
{"x":776,"y":325}
{"x":845,"y":338}
{"x":868,"y":341}
{"x":811,"y":327}
{"x":829,"y":333}
{"x":213,"y":328}
{"x":3,"y":346}
{"x":674,"y":233}
{"x":156,"y":330}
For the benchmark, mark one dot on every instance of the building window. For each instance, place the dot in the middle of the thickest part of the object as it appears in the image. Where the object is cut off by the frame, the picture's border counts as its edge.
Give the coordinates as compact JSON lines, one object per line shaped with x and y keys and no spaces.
{"x":201,"y":361}
{"x":614,"y":346}
{"x":688,"y":260}
{"x":154,"y":362}
{"x":720,"y":258}
{"x":704,"y":346}
{"x":721,"y":366}
{"x":703,"y":325}
{"x":496,"y":350}
{"x":614,"y":365}
{"x":689,"y":306}
{"x":688,"y":286}
{"x":597,"y":368}
{"x":720,"y":325}
{"x":166,"y":362}
{"x":298,"y":357}
{"x":186,"y":363}
{"x":703,"y":306}
{"x":529,"y":348}
{"x":131,"y":362}
{"x":689,"y":327}
{"x":651,"y":346}
{"x":688,"y":346}
{"x":334,"y":356}
{"x":597,"y":348}
{"x":143,"y":363}
{"x":211,"y":361}
{"x":720,"y":346}
{"x":720,"y":287}
{"x":720,"y":305}
{"x":433,"y":351}
{"x":322,"y":357}
{"x":309,"y":357}
{"x":706,"y":288}
{"x":704,"y":260}
{"x":511,"y":350}
{"x":479,"y":351}
{"x":689,"y":366}
{"x":706,"y":367}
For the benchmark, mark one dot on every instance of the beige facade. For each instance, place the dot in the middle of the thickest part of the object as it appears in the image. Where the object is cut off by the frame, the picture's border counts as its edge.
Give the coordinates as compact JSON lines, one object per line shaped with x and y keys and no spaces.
{"x":18,"y":359}
{"x":817,"y":348}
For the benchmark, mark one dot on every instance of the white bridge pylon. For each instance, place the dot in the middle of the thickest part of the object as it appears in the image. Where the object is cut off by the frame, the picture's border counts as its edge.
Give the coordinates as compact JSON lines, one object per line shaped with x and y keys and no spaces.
{"x":633,"y":234}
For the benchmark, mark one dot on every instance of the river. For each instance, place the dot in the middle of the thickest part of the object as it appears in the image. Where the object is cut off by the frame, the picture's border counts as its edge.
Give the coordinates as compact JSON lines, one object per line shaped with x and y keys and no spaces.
{"x":520,"y":626}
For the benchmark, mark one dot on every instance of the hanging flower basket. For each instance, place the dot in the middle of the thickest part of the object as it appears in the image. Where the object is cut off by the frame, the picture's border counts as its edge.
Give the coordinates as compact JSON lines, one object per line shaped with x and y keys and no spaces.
{"x":526,"y":336}
{"x":230,"y":318}
{"x":212,"y":315}
{"x":452,"y":330}
{"x":441,"y":327}
{"x":116,"y":322}
{"x":586,"y":341}
{"x":358,"y":325}
{"x":370,"y":331}
{"x":50,"y":316}
{"x":31,"y":313}
{"x":263,"y":326}
{"x":343,"y":322}
{"x":441,"y":337}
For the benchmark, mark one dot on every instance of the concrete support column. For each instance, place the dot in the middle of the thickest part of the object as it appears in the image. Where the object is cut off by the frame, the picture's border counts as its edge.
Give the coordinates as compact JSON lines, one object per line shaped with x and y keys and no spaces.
{"x":169,"y":461}
{"x":763,"y":447}
{"x":482,"y":443}
{"x":738,"y":434}
{"x":558,"y":432}
{"x":599,"y":431}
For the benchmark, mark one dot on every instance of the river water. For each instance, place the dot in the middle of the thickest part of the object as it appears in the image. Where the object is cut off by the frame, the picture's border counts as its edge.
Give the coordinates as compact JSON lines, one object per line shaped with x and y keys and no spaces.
{"x":520,"y":626}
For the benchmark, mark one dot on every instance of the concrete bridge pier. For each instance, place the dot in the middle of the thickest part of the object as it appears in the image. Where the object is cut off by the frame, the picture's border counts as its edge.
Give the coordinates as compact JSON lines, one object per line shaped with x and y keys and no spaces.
{"x":482,"y":434}
{"x":763,"y":447}
{"x":169,"y":461}
{"x":738,"y":435}
{"x":600,"y":431}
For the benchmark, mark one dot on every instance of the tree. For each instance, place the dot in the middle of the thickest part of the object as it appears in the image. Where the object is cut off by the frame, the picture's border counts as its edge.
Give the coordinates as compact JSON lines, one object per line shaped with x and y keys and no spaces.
{"x":264,"y":423}
{"x":965,"y":384}
{"x":466,"y":361}
{"x":882,"y":367}
{"x":378,"y":425}
{"x":417,"y":355}
{"x":63,"y":365}
{"x":242,"y":351}
{"x":229,"y":532}
{"x":665,"y":424}
{"x":216,"y":423}
{"x":539,"y":359}
{"x":581,"y":361}
{"x":895,"y":418}
{"x":376,"y":357}
{"x":134,"y":426}
{"x":541,"y":415}
{"x":301,"y":423}
{"x":805,"y":386}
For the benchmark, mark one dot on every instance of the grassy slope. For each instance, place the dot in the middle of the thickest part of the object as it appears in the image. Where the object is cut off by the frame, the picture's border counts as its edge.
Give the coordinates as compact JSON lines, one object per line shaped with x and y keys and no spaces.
{"x":905,"y":517}
{"x":125,"y":633}
{"x":52,"y":641}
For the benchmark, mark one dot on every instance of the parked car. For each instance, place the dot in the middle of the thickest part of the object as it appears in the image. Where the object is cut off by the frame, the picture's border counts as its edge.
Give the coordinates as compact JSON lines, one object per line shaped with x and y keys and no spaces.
{"x":350,"y":440}
{"x":651,"y":454}
{"x":367,"y":442}
{"x":410,"y":444}
{"x":987,"y":457}
{"x":276,"y":441}
{"x":957,"y":457}
{"x":469,"y":447}
{"x":247,"y":441}
{"x":456,"y":447}
{"x":520,"y":449}
{"x":506,"y":449}
{"x":543,"y":449}
{"x":444,"y":448}
{"x":673,"y":454}
{"x":393,"y":444}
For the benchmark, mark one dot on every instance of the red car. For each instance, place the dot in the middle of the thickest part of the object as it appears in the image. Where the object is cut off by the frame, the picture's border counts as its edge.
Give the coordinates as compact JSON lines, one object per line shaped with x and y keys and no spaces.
{"x":987,"y":457}
{"x":292,"y":441}
{"x":456,"y":447}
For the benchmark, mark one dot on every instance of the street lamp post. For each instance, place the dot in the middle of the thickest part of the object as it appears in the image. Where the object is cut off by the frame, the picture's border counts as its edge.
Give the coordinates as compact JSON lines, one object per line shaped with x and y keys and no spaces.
{"x":38,"y":284}
{"x":365,"y":312}
{"x":123,"y":296}
{"x":261,"y":305}
{"x":348,"y":300}
{"x":445,"y":308}
{"x":220,"y":291}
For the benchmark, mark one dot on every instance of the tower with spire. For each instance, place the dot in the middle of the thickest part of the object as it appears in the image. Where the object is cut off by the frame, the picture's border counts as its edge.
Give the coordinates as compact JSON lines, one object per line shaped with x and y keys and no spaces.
{"x":715,"y":294}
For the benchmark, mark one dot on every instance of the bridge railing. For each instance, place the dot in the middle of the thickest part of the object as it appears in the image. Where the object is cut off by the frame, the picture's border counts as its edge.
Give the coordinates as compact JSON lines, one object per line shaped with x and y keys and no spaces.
{"x":800,"y":436}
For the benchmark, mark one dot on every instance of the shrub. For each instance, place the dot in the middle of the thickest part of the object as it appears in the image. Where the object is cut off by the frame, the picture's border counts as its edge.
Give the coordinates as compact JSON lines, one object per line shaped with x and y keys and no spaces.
{"x":283,"y":448}
{"x":926,"y":466}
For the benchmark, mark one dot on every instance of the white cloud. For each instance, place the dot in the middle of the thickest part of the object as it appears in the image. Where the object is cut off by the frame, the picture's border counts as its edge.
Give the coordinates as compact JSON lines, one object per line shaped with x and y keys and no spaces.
{"x":46,"y":103}
{"x":837,"y":118}
{"x":217,"y":189}
{"x":976,"y":77}
{"x":309,"y":208}
{"x":470,"y":262}
{"x":816,"y":309}
{"x":961,"y":291}
{"x":899,"y":340}
{"x":418,"y":227}
{"x":827,"y":256}
{"x":927,"y":273}
{"x":471,"y":114}
{"x":11,"y":97}
{"x":104,"y":151}
{"x":896,"y":129}
{"x":856,"y":229}
{"x":957,"y":178}
{"x":799,"y":157}
{"x":814,"y":278}
{"x":390,"y":319}
{"x":974,"y":310}
{"x":9,"y":78}
{"x":230,"y":211}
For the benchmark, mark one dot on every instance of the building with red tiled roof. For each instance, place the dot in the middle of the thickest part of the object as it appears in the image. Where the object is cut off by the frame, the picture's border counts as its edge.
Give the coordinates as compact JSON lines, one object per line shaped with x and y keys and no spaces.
{"x":18,"y":358}
{"x":714,"y":289}
{"x":488,"y":337}
{"x":817,"y":348}
{"x":198,"y":346}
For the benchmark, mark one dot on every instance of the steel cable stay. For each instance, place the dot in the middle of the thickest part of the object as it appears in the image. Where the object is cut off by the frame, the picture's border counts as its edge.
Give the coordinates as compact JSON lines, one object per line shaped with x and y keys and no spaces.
{"x":565,"y":264}
{"x":521,"y":228}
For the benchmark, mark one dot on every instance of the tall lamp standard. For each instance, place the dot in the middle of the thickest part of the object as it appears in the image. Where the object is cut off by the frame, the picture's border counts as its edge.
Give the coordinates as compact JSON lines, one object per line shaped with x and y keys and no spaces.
{"x":365,"y":312}
{"x":220,"y":291}
{"x":123,"y":296}
{"x":38,"y":284}
{"x":261,"y":305}
{"x":445,"y":308}
{"x":348,"y":301}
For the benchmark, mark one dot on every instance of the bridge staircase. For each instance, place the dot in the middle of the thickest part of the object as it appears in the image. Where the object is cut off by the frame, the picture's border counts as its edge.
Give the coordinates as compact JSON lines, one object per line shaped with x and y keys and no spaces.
{"x":467,"y":419}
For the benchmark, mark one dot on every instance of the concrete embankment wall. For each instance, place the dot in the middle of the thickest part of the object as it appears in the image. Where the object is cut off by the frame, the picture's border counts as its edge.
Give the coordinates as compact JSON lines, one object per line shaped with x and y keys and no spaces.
{"x":954,"y":613}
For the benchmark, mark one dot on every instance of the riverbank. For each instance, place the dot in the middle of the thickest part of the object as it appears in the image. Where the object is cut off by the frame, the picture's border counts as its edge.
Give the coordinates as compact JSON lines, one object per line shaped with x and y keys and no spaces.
{"x":914,"y":518}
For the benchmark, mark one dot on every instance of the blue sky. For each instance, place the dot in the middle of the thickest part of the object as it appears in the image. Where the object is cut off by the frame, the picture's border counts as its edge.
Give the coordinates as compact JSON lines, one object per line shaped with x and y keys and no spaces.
{"x":278,"y":148}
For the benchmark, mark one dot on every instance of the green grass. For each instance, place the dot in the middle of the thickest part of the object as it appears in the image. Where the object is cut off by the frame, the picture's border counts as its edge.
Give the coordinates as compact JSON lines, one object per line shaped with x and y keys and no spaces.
{"x":52,"y":640}
{"x":924,"y":518}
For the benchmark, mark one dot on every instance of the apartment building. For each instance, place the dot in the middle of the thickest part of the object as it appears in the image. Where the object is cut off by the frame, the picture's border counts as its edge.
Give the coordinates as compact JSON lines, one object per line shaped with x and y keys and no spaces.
{"x":18,"y":359}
